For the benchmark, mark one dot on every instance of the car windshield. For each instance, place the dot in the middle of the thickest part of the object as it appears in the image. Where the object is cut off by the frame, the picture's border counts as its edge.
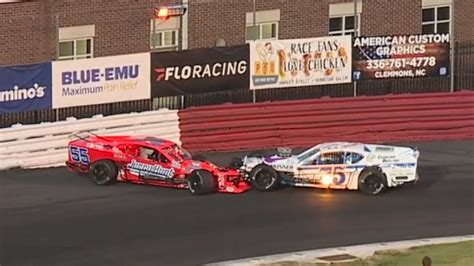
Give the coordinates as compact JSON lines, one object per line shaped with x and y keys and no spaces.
{"x":174,"y":150}
{"x":307,"y":154}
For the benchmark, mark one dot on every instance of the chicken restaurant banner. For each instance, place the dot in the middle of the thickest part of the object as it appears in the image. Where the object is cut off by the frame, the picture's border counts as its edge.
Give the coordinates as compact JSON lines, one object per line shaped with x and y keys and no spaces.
{"x":401,"y":56}
{"x":101,"y":80}
{"x":300,"y":62}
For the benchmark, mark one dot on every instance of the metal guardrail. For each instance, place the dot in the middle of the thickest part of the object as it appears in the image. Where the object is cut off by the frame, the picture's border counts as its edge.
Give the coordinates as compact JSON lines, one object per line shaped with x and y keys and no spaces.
{"x":409,"y":117}
{"x":44,"y":145}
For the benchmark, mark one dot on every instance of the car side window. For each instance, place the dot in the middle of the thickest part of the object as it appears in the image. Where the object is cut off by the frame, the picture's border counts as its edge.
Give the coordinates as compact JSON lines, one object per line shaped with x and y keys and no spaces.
{"x":152,"y":154}
{"x":330,"y":158}
{"x":146,"y":153}
{"x":162,"y":158}
{"x":352,"y":157}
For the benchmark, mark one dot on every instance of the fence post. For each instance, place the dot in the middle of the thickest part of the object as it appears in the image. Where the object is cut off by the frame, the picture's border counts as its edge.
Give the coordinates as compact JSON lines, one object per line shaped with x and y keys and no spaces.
{"x":453,"y":55}
{"x":452,"y":47}
{"x":356,"y":33}
{"x":254,"y":23}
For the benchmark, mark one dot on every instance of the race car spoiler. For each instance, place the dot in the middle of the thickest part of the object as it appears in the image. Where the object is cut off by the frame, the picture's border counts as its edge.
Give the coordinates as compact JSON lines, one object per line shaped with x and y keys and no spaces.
{"x":416,"y":152}
{"x":84,"y":135}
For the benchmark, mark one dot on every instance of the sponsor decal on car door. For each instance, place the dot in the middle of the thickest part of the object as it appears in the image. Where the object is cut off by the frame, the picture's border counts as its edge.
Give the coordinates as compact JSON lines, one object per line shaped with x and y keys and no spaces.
{"x":314,"y":174}
{"x":327,"y":168}
{"x":151,"y":165}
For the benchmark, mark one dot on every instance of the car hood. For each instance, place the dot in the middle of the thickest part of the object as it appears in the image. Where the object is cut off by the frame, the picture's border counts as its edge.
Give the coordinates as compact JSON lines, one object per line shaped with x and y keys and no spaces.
{"x":277,"y":162}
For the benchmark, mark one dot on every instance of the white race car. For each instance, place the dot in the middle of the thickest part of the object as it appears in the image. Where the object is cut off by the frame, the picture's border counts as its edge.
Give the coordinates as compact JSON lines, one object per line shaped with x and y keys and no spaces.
{"x":369,"y":168}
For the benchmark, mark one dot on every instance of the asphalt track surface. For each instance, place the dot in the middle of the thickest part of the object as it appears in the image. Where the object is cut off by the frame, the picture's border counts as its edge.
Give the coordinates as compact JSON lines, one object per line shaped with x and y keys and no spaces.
{"x":52,"y":217}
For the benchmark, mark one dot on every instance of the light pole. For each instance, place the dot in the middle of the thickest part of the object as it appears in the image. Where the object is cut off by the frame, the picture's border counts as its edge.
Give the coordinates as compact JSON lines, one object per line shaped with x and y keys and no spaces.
{"x":164,"y":13}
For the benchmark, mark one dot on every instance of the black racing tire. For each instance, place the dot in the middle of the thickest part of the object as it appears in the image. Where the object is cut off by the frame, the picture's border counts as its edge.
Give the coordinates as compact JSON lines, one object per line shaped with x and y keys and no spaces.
{"x":264,"y":178}
{"x":103,"y":172}
{"x":372,"y":181}
{"x":201,"y":182}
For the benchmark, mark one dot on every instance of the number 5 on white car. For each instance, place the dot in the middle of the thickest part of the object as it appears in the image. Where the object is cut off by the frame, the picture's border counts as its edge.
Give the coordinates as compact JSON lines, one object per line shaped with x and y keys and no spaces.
{"x":369,"y":168}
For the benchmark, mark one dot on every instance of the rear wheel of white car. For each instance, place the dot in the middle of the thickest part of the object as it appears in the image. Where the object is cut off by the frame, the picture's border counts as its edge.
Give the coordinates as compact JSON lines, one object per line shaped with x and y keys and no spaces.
{"x":372,"y":181}
{"x":103,"y":172}
{"x":201,"y":182}
{"x":264,"y":178}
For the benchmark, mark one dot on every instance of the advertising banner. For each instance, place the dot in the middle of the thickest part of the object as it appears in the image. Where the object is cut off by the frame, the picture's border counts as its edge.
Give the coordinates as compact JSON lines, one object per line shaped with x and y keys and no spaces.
{"x":25,"y":88}
{"x":300,"y":62}
{"x":199,"y":70}
{"x":101,"y":80}
{"x":401,"y":56}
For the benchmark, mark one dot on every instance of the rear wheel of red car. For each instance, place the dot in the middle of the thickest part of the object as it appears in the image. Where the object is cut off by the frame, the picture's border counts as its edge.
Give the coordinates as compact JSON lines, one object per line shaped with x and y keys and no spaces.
{"x":103,"y":172}
{"x":201,"y":182}
{"x":264,"y":177}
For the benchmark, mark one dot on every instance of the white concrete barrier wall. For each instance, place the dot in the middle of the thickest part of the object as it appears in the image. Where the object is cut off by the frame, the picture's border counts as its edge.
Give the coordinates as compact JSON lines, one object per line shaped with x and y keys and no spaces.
{"x":45,"y":144}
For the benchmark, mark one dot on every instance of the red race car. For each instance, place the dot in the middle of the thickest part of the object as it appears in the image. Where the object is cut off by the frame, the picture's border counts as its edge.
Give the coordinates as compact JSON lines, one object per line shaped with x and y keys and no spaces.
{"x":149,"y":160}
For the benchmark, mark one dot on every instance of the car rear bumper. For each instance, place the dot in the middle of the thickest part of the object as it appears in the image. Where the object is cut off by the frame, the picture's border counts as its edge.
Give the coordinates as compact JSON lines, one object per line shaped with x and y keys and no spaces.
{"x":417,"y":178}
{"x":74,"y":167}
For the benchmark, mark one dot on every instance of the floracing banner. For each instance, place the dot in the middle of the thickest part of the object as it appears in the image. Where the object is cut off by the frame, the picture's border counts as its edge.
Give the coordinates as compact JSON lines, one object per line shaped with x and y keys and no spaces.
{"x":406,"y":56}
{"x":101,"y":80}
{"x":25,"y":88}
{"x":300,"y":62}
{"x":199,"y":70}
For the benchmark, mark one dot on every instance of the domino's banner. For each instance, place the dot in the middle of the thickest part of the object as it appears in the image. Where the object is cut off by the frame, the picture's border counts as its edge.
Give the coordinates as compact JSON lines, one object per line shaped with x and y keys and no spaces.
{"x":25,"y":88}
{"x":300,"y":62}
{"x":101,"y":80}
{"x":401,"y":56}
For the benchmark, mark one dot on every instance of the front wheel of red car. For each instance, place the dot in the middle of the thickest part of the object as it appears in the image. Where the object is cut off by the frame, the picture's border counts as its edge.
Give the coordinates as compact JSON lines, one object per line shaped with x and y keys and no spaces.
{"x":201,"y":182}
{"x":103,"y":172}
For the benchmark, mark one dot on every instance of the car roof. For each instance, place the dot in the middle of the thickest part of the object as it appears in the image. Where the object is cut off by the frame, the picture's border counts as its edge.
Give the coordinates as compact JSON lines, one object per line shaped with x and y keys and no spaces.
{"x":343,"y":146}
{"x":356,"y":147}
{"x":149,"y":141}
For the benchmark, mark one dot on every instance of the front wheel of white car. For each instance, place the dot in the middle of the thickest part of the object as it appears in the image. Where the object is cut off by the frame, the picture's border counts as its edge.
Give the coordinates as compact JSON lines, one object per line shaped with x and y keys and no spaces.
{"x":372,"y":181}
{"x":264,"y":177}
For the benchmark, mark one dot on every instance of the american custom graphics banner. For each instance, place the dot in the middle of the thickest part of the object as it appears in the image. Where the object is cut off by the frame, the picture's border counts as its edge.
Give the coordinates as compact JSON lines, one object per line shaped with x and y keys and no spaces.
{"x":401,"y":56}
{"x":199,"y":70}
{"x":101,"y":80}
{"x":25,"y":88}
{"x":300,"y":62}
